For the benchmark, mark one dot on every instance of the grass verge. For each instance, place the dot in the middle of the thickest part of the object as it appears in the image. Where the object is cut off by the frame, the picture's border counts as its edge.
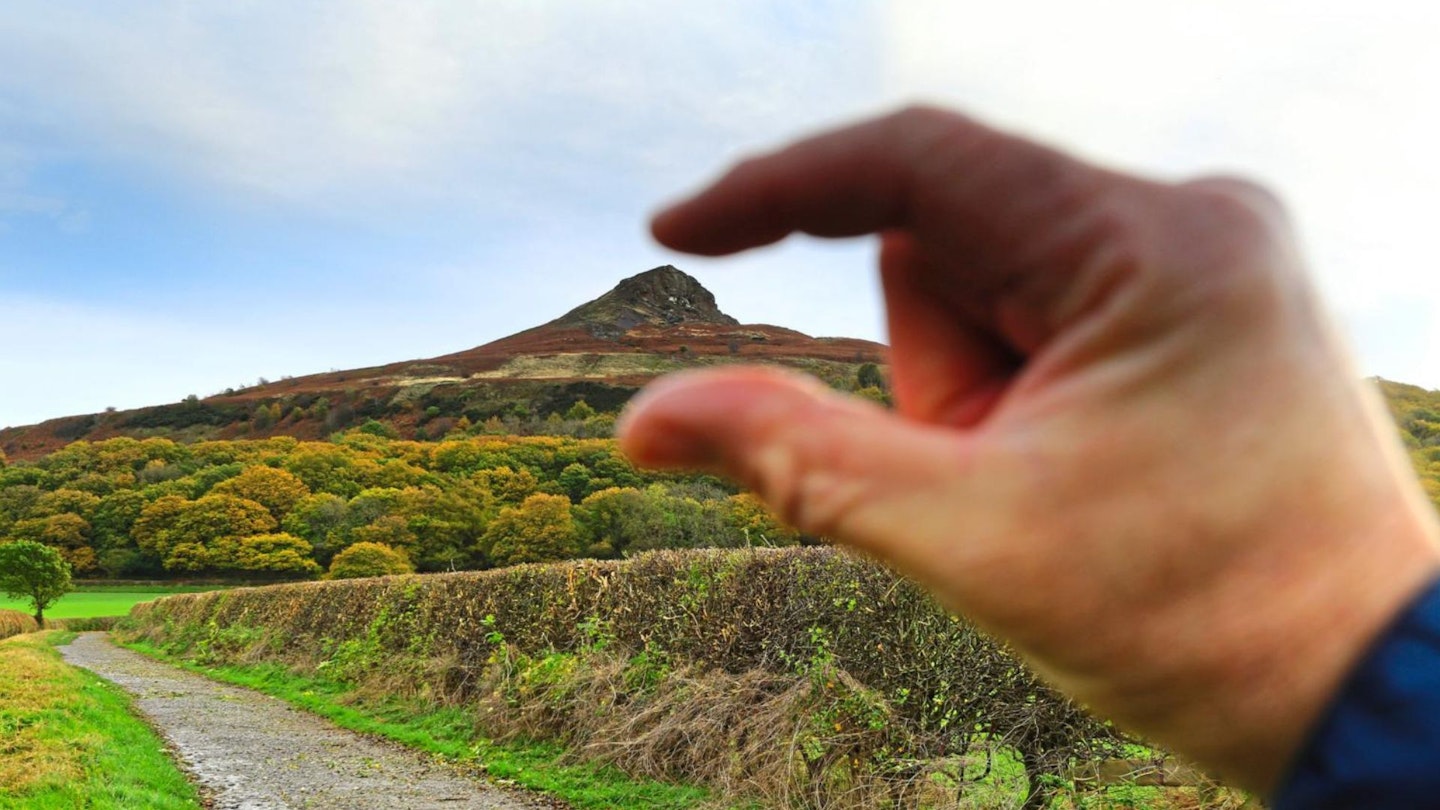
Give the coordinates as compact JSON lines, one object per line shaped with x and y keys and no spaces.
{"x":450,"y":733}
{"x":69,"y":739}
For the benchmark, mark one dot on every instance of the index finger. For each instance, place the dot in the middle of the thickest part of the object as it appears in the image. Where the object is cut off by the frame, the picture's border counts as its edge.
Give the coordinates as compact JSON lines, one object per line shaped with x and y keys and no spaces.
{"x":937,"y":173}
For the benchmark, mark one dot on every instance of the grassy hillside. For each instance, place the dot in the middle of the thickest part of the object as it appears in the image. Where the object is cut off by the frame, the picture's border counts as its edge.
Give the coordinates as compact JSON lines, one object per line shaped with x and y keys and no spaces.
{"x":601,"y":352}
{"x":1417,"y":413}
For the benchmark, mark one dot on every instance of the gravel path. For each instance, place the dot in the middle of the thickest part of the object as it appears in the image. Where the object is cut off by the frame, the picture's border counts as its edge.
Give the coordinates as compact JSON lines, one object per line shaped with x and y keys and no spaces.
{"x":249,"y":751}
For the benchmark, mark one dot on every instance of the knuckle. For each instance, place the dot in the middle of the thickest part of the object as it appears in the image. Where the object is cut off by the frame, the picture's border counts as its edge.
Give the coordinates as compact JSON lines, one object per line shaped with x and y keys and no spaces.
{"x":798,"y":472}
{"x":827,"y":500}
{"x":927,"y":115}
{"x":779,"y":466}
{"x":1237,"y":252}
{"x":929,"y":128}
{"x":1235,"y":199}
{"x":749,"y":166}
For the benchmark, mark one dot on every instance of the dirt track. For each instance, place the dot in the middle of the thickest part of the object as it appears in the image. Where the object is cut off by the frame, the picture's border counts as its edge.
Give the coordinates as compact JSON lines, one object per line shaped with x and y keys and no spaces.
{"x":249,"y":751}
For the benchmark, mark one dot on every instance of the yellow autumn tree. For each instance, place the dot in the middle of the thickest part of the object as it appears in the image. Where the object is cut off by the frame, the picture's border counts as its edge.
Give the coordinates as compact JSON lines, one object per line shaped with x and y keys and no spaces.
{"x":202,"y":534}
{"x":276,"y":489}
{"x":277,"y":553}
{"x":508,"y":485}
{"x":748,"y":516}
{"x":538,"y":530}
{"x":67,"y":533}
{"x":369,"y":560}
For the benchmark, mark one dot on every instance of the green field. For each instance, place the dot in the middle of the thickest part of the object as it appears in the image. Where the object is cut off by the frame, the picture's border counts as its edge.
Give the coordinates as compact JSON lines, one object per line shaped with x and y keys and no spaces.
{"x":103,"y":600}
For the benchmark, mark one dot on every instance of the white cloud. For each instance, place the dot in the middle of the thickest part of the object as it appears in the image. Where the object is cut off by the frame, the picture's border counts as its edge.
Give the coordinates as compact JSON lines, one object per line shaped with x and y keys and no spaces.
{"x":1334,"y":104}
{"x":332,"y":98}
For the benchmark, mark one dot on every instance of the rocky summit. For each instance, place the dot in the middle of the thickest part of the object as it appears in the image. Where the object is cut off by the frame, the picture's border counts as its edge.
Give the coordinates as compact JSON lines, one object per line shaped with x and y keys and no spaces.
{"x":664,"y":296}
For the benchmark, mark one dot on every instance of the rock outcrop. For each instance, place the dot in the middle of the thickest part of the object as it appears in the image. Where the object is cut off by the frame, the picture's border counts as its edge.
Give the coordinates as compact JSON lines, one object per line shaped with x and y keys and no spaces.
{"x":664,"y":296}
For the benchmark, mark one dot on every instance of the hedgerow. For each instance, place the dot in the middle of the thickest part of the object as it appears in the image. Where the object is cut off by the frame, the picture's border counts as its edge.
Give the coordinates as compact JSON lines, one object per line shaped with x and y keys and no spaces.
{"x":85,"y":624}
{"x":858,"y":676}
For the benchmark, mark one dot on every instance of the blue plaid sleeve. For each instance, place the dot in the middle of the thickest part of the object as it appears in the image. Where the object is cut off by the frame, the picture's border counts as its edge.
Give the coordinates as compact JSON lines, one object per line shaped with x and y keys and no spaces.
{"x":1379,"y":743}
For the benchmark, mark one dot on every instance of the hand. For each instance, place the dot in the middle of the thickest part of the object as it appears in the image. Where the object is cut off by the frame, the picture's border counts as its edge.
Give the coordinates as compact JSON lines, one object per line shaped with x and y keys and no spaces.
{"x":1127,"y":438}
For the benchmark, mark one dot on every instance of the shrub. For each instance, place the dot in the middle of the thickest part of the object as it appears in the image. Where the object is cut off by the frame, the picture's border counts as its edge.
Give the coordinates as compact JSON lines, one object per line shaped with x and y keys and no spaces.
{"x":369,"y":560}
{"x":375,"y":427}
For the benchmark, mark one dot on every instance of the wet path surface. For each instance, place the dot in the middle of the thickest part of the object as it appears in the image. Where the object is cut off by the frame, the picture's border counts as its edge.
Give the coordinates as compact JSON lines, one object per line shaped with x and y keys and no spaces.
{"x":249,"y":751}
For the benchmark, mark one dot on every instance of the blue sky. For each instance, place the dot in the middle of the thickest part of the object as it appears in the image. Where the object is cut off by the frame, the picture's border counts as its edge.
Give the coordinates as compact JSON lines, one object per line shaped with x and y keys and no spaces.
{"x":193,"y":196}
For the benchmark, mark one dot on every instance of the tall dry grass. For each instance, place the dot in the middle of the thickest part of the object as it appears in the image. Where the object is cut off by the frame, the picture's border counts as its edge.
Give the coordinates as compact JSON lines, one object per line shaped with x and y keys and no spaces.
{"x":14,"y":623}
{"x":819,"y":740}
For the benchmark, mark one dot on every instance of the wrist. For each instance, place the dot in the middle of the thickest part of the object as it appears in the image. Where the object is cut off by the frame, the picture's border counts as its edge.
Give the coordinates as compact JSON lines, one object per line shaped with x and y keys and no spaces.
{"x":1251,"y":668}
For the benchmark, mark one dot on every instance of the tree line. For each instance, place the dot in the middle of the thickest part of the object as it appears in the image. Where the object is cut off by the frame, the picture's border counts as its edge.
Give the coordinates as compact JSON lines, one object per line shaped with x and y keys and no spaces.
{"x":366,"y":502}
{"x":362,"y":503}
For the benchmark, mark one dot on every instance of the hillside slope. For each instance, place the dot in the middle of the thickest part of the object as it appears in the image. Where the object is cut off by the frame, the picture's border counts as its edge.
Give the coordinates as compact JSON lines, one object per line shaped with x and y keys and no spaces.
{"x":601,"y":352}
{"x":1417,"y":413}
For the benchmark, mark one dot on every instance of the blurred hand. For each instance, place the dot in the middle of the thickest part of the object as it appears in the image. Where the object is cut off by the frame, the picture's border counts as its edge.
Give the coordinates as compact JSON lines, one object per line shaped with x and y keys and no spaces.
{"x":1127,"y":439}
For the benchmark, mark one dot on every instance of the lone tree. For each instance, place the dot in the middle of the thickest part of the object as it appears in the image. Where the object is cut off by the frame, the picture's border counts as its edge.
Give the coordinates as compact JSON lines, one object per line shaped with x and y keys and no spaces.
{"x":34,"y":571}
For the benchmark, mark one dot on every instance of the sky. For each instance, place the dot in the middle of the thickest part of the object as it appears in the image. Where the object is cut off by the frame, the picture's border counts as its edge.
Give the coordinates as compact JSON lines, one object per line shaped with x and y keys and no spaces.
{"x":197,"y":195}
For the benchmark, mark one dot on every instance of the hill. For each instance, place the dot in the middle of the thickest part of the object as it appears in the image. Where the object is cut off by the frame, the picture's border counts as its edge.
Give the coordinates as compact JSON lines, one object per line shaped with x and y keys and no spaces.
{"x":1417,"y":413}
{"x":601,"y":352}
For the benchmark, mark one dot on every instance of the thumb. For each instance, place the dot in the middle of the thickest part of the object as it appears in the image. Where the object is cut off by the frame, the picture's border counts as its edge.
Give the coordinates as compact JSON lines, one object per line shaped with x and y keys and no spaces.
{"x":828,"y":464}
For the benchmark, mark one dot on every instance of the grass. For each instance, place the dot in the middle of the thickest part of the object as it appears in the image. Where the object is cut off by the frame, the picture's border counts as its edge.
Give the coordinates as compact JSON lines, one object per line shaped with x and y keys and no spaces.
{"x":69,"y":739}
{"x":450,"y":733}
{"x":90,"y":601}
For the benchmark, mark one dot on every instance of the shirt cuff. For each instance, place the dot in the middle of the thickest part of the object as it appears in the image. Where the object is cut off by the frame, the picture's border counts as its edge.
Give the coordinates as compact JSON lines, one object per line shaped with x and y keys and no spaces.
{"x":1378,"y":744}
